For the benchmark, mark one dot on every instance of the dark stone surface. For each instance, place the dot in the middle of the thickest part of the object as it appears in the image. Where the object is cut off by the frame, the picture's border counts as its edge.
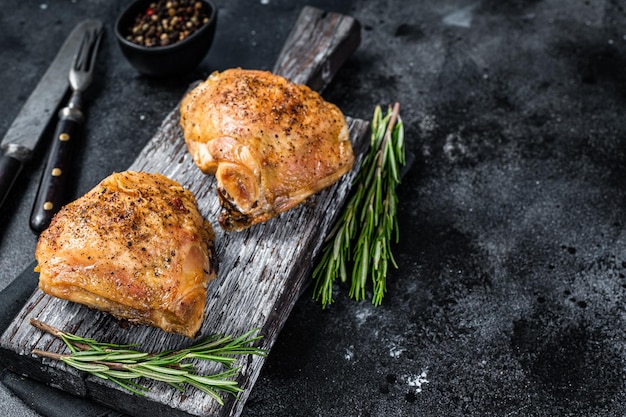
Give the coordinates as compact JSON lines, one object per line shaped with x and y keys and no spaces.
{"x":510,"y":294}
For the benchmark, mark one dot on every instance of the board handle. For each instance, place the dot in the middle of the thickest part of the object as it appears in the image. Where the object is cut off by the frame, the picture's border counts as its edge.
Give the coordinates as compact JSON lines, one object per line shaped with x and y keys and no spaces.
{"x":317,"y":46}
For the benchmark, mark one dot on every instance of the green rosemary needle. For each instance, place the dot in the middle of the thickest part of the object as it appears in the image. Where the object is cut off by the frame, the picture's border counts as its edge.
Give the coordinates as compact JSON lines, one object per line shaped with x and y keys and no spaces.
{"x":363,"y":234}
{"x":122,"y":365}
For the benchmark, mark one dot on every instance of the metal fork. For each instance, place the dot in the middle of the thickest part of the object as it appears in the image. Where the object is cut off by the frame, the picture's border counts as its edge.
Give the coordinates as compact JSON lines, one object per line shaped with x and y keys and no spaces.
{"x":81,"y":73}
{"x":52,"y":193}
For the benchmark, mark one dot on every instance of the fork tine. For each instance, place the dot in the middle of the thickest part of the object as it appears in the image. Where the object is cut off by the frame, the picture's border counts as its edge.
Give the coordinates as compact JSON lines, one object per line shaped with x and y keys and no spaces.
{"x":94,"y":48}
{"x":79,"y":57}
{"x":87,"y":53}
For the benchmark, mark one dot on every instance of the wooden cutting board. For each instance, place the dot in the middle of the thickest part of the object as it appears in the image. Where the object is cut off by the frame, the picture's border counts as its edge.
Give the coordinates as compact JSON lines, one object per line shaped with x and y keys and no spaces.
{"x":262,"y":271}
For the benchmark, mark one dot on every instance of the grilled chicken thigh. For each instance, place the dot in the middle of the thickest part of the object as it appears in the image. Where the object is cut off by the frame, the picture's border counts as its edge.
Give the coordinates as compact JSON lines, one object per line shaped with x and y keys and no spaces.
{"x":269,"y":142}
{"x":134,"y":246}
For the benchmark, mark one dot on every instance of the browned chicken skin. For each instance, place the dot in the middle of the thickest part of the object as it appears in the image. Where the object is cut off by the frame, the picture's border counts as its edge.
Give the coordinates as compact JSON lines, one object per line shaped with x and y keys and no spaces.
{"x":134,"y":246}
{"x":270,"y":143}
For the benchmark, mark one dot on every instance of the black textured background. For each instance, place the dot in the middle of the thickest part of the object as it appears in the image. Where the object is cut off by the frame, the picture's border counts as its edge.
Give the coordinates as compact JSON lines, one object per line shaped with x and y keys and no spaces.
{"x":509,"y":299}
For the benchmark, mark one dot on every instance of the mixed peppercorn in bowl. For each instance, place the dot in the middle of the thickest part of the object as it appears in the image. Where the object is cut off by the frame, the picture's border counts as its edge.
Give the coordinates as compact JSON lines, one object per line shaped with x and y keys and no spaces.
{"x":166,"y":37}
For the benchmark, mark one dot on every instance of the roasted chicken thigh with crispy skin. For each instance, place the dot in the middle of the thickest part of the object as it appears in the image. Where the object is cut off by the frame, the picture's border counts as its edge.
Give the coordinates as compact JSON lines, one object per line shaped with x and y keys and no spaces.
{"x":269,"y":142}
{"x":134,"y":246}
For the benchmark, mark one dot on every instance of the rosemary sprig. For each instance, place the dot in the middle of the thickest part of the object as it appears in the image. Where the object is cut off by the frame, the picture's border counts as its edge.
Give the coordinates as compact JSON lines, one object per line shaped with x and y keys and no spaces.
{"x":362,"y":236}
{"x":123,"y":365}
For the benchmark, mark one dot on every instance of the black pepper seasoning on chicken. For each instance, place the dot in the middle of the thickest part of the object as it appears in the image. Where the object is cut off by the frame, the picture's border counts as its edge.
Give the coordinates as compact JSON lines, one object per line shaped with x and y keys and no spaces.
{"x":269,"y":142}
{"x":134,"y":246}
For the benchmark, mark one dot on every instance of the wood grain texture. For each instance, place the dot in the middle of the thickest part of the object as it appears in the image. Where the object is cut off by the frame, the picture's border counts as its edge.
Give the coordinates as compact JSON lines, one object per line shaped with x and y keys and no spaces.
{"x":262,"y":272}
{"x":317,"y":46}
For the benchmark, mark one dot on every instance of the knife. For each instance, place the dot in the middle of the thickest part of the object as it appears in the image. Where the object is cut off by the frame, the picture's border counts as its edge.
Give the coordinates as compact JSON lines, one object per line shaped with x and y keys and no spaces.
{"x":20,"y":141}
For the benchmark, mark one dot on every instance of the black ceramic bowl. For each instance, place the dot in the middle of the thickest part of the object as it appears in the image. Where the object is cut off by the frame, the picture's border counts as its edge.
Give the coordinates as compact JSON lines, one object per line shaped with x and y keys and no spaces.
{"x":161,"y":61}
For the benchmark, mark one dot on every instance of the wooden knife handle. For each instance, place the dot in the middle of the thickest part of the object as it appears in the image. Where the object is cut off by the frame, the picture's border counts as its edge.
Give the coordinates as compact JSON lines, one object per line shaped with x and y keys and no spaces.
{"x":10,"y":167}
{"x":53,"y":187}
{"x":317,"y":46}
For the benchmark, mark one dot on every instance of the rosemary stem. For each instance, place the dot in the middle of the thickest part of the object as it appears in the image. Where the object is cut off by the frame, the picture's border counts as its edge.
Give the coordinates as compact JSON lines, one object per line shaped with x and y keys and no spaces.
{"x":44,"y":327}
{"x":60,"y":356}
{"x":49,"y":355}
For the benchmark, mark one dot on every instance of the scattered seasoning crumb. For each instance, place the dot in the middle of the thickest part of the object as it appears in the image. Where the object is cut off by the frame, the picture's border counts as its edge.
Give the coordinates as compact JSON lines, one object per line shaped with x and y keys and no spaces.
{"x":416,"y":381}
{"x":165,"y":22}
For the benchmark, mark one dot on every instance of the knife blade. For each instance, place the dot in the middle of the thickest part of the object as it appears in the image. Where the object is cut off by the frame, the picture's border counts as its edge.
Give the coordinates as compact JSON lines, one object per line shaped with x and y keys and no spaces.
{"x":25,"y":132}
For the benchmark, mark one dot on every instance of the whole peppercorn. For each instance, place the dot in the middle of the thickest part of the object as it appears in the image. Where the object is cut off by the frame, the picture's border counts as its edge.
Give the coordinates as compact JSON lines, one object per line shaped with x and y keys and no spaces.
{"x":165,"y":22}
